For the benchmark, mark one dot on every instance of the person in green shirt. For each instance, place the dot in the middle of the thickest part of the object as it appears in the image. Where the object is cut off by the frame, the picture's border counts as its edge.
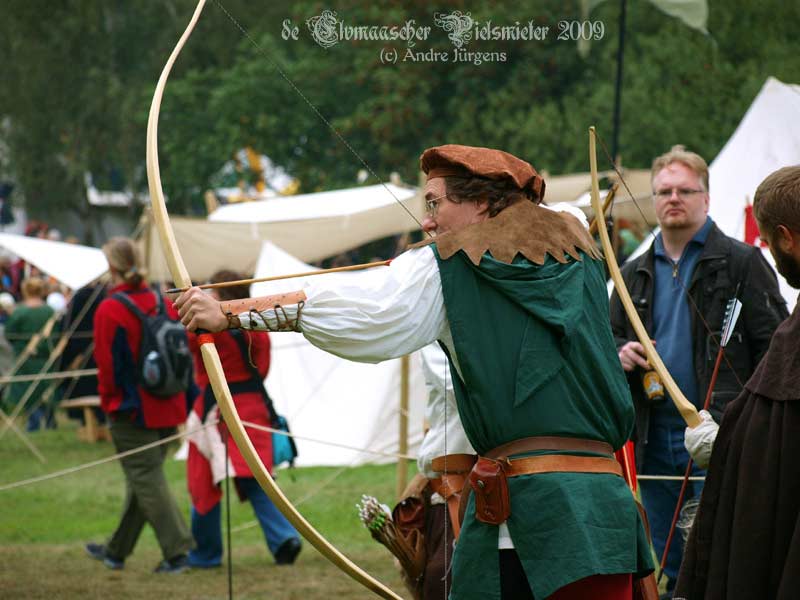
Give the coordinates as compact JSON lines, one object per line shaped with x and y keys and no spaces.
{"x":29,"y":319}
{"x":515,"y":294}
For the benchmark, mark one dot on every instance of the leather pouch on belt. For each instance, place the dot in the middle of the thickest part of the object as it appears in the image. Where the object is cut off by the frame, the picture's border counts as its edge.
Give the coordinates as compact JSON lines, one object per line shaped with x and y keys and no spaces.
{"x":490,"y":486}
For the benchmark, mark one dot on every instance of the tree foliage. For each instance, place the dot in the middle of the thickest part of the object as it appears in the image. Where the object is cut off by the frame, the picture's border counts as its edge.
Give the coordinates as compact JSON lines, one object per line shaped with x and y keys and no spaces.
{"x":79,"y":75}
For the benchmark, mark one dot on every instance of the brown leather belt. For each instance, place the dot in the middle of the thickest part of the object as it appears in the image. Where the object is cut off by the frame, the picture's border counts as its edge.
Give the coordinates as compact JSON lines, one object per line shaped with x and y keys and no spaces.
{"x":546,"y":463}
{"x":453,"y":463}
{"x":561,"y":463}
{"x":555,"y":463}
{"x":565,"y":444}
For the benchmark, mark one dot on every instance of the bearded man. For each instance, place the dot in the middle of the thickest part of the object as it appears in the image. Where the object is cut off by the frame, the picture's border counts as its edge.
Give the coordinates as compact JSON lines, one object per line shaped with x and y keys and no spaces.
{"x":744,"y":543}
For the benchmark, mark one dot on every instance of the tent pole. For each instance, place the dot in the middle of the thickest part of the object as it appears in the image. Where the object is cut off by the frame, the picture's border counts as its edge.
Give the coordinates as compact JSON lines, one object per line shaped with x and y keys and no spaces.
{"x":402,"y":444}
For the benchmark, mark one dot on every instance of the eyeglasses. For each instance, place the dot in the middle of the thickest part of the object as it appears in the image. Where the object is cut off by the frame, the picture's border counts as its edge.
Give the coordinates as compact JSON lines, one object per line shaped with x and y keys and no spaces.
{"x":683,"y":193}
{"x":432,"y":206}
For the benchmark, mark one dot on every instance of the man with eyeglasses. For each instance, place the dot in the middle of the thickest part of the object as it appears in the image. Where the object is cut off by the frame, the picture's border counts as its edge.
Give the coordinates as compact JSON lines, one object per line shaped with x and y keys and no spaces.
{"x":681,"y":287}
{"x":515,"y":295}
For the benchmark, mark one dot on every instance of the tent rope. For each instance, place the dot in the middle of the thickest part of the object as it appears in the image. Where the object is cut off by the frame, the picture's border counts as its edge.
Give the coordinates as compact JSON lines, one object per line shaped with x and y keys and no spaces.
{"x":70,"y":470}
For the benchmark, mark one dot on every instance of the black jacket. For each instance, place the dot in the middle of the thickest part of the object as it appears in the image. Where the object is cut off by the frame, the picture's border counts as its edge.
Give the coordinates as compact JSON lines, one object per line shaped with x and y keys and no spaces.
{"x":723,"y":264}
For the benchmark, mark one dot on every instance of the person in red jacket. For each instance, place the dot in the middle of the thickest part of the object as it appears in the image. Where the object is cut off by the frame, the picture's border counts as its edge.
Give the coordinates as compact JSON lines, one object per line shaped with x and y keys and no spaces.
{"x":136,"y":418}
{"x":214,"y":456}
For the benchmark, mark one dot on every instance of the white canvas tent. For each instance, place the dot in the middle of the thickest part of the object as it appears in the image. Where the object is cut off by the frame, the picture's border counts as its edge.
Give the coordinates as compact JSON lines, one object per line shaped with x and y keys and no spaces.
{"x":308,"y":226}
{"x":71,"y":264}
{"x":638,"y":209}
{"x":311,"y":207}
{"x":328,"y":398}
{"x":767,"y":138}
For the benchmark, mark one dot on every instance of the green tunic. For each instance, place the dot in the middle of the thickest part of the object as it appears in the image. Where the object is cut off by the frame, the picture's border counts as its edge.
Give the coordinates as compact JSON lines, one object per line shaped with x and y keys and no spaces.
{"x":23,"y":323}
{"x":536,"y":357}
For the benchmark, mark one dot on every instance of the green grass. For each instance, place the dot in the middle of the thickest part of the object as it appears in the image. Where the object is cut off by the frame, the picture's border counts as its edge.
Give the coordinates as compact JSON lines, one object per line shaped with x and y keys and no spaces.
{"x":44,"y":526}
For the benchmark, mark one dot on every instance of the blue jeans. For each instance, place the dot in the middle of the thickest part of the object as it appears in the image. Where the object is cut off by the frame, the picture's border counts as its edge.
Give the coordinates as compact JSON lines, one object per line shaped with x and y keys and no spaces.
{"x":665,"y":454}
{"x":207,"y":528}
{"x":41,"y":416}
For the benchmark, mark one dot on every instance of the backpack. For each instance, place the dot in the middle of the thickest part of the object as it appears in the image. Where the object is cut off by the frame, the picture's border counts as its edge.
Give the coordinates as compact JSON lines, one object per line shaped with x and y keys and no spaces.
{"x":165,"y":361}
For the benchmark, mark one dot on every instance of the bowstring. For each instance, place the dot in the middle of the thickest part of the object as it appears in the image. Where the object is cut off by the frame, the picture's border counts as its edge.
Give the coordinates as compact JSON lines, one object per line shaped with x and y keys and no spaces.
{"x":651,"y":231}
{"x":229,"y":555}
{"x":366,"y":165}
{"x":446,"y":500}
{"x":316,"y":111}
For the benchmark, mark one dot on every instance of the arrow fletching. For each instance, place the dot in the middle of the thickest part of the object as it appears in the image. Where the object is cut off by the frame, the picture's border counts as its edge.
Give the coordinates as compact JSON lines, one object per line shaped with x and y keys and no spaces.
{"x":731,"y":316}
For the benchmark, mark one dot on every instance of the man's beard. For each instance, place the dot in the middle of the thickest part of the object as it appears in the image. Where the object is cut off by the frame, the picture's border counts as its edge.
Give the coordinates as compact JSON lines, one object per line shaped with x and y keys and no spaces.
{"x":787,"y":266}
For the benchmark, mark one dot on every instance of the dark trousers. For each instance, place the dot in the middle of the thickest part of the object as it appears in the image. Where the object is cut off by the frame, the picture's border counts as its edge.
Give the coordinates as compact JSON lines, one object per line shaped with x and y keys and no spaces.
{"x":666,"y":455}
{"x":148,"y":498}
{"x":513,"y":581}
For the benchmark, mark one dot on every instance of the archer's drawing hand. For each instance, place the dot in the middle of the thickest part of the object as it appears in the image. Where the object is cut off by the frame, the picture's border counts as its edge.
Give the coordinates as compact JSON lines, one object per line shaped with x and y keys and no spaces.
{"x":199,"y":310}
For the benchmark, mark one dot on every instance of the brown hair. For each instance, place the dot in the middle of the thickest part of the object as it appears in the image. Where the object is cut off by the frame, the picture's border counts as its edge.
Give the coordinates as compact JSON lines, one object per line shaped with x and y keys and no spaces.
{"x":500,"y":193}
{"x":680,"y":154}
{"x":233,"y":292}
{"x":777,"y":201}
{"x":33,"y":287}
{"x":124,"y":258}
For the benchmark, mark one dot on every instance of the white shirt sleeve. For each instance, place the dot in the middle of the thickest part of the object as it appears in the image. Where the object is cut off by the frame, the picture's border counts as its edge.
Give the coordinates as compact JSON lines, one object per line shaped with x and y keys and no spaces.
{"x":372,"y":315}
{"x":446,"y":434}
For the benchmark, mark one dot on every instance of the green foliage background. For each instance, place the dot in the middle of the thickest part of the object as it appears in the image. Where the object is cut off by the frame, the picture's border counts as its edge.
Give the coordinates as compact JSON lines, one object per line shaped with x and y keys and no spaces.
{"x":78,"y":76}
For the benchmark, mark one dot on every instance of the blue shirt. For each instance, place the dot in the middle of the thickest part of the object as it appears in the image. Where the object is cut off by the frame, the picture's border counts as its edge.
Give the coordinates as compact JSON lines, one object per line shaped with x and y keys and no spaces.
{"x":672,"y":323}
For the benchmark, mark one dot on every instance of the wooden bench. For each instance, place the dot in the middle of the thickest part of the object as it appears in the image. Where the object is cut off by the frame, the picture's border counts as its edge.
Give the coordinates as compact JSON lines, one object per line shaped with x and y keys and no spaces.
{"x":91,"y":431}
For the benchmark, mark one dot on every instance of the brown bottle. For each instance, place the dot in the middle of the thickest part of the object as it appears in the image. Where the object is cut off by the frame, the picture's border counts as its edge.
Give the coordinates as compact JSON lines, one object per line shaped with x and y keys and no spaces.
{"x":653,"y":387}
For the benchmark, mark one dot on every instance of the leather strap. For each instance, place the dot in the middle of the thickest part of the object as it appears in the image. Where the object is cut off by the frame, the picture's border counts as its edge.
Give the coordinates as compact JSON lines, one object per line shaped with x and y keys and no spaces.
{"x":534,"y":444}
{"x":453,"y":463}
{"x":262,"y":303}
{"x":450,"y":487}
{"x":448,"y":484}
{"x":561,"y":463}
